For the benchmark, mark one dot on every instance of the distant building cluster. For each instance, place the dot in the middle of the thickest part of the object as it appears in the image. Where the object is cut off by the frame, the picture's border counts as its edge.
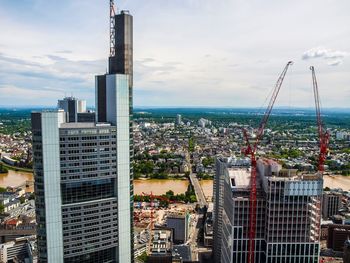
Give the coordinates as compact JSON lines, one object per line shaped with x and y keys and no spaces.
{"x":75,"y":110}
{"x":204,"y":123}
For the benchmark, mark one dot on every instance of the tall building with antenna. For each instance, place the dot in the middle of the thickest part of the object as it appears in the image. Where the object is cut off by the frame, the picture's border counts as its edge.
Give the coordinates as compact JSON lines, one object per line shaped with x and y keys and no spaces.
{"x":82,"y":170}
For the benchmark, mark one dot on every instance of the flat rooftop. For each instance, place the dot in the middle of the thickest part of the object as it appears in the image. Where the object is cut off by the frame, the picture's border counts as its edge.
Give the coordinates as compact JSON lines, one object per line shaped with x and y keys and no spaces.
{"x":240,"y":177}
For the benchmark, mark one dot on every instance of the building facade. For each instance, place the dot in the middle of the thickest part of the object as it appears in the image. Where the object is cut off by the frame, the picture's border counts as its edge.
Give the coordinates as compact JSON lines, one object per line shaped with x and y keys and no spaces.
{"x":72,"y":106}
{"x":288,"y":215}
{"x":83,"y":173}
{"x":180,"y":225}
{"x":331,"y":203}
{"x":222,"y":164}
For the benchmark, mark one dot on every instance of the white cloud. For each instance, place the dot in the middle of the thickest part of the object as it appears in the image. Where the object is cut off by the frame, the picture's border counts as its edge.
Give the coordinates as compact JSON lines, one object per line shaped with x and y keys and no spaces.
{"x":335,"y":62}
{"x":334,"y":57}
{"x":186,"y":52}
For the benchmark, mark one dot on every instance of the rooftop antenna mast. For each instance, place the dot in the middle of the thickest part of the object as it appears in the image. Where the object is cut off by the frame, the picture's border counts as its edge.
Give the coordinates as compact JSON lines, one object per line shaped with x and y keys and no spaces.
{"x":111,"y":28}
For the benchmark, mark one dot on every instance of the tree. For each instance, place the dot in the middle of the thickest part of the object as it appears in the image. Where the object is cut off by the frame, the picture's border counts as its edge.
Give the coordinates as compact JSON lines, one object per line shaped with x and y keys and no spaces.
{"x":208,"y":161}
{"x":22,"y":199}
{"x":191,"y":144}
{"x":2,"y":190}
{"x":143,"y":257}
{"x":3,"y":169}
{"x":32,"y":196}
{"x":2,"y":208}
{"x":169,"y":194}
{"x":193,"y":199}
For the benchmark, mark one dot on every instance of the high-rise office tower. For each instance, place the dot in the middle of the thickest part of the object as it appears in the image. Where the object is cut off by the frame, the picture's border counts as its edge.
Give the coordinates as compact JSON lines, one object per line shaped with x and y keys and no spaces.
{"x":288,"y":215}
{"x":83,"y":174}
{"x":72,"y":106}
{"x":76,"y":110}
{"x":120,"y":63}
{"x":178,"y":119}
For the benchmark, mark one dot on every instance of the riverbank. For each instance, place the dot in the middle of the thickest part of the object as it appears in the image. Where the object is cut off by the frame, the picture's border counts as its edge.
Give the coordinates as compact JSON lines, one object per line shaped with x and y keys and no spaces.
{"x":3,"y":170}
{"x":15,"y":168}
{"x":15,"y":179}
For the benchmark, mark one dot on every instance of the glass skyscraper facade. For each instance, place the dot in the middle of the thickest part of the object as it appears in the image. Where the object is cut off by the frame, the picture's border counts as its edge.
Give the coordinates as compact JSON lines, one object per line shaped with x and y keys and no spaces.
{"x":83,"y":174}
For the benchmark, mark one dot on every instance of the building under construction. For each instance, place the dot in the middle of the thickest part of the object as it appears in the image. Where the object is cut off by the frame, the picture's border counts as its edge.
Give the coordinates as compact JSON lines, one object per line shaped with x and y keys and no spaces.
{"x":288,"y":211}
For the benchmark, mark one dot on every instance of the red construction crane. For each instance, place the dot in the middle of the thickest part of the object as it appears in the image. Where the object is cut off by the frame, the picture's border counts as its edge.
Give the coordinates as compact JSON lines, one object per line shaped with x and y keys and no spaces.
{"x":152,"y":198}
{"x":322,"y":133}
{"x":251,"y":150}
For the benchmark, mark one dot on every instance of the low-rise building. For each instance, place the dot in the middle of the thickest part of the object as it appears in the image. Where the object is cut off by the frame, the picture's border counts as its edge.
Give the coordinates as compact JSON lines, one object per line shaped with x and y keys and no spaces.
{"x":20,"y":250}
{"x":331,"y":203}
{"x":161,"y":246}
{"x":208,"y":227}
{"x":337,"y":235}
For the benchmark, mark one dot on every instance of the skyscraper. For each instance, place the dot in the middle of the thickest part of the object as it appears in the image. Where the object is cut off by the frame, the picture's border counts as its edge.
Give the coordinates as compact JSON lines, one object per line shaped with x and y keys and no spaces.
{"x":76,"y":110}
{"x":72,"y":106}
{"x":178,"y":119}
{"x":83,"y":173}
{"x":288,"y":215}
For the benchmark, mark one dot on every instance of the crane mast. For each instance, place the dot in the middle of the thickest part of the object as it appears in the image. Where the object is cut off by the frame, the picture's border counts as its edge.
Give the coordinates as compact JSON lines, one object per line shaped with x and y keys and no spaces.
{"x":322,"y":134}
{"x":251,"y":150}
{"x":111,"y":28}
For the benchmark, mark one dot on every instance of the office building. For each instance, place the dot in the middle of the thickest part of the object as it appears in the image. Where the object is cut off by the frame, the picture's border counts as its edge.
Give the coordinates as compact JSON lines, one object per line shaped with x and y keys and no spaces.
{"x":208,"y":227}
{"x":22,"y":249}
{"x":178,"y":119}
{"x":72,"y":106}
{"x":179,"y":222}
{"x":337,"y":236}
{"x":346,"y":256}
{"x":288,"y":217}
{"x":88,"y":116}
{"x":76,"y":110}
{"x":331,"y":203}
{"x":82,"y":170}
{"x":161,"y":246}
{"x":120,"y":64}
{"x":222,"y":165}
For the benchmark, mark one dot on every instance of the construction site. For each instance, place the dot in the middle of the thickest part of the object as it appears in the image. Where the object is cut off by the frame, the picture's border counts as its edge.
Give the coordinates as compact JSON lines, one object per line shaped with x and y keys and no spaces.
{"x":264,"y":213}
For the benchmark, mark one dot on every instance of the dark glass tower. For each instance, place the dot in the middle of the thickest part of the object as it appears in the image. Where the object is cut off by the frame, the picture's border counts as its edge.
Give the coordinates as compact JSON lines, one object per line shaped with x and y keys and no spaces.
{"x":120,"y":63}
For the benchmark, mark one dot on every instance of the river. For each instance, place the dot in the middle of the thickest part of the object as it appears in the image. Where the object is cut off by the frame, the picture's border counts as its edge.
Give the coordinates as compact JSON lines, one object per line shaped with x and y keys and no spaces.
{"x":16,"y":178}
{"x":159,"y":187}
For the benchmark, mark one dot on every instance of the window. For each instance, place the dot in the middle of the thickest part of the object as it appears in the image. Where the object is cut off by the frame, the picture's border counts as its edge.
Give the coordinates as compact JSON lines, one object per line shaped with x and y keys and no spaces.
{"x":73,"y":192}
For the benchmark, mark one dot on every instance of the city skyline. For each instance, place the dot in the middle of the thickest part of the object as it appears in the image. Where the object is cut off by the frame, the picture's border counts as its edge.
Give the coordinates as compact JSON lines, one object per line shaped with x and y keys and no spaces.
{"x":177,"y":55}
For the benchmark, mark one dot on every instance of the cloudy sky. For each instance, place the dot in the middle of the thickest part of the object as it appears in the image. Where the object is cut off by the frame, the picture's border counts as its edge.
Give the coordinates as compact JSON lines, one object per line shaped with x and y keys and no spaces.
{"x":186,"y":52}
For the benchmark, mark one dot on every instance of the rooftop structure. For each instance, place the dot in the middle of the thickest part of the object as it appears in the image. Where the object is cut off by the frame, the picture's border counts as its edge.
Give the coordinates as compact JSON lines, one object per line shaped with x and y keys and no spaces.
{"x":331,"y":203}
{"x":179,"y":222}
{"x":161,"y":246}
{"x":72,"y":106}
{"x":20,"y":250}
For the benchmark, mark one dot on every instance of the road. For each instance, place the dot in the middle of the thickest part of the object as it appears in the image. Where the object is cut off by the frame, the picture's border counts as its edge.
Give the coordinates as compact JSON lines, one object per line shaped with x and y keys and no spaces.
{"x":199,"y":191}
